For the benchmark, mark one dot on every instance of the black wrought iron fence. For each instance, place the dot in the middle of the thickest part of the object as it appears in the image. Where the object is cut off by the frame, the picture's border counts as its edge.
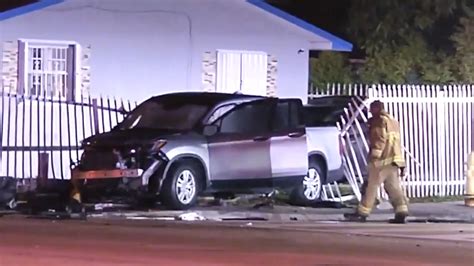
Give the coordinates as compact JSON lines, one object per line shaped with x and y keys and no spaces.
{"x":40,"y":136}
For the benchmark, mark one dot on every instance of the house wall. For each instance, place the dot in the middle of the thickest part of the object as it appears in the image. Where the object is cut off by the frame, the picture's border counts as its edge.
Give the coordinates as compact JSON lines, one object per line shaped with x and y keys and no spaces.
{"x":148,"y":47}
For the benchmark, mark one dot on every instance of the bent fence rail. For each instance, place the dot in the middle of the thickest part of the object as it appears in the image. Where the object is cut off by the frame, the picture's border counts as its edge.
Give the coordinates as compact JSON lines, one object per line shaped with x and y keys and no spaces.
{"x":437,"y":133}
{"x":38,"y":131}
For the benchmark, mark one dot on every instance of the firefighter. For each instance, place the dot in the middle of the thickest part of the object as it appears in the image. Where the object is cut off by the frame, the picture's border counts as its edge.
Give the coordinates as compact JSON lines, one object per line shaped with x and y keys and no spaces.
{"x":385,"y":165}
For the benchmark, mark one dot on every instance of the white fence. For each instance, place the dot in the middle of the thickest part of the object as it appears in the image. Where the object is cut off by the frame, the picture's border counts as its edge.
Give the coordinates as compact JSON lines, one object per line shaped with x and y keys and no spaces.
{"x":437,"y":132}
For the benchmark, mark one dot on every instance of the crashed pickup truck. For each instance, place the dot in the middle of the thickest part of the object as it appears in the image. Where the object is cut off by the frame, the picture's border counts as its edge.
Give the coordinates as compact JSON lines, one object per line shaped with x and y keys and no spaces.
{"x":181,"y":145}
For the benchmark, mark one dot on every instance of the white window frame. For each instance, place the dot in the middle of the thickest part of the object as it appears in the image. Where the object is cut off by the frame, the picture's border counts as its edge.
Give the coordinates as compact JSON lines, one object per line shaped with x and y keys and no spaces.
{"x":24,"y":67}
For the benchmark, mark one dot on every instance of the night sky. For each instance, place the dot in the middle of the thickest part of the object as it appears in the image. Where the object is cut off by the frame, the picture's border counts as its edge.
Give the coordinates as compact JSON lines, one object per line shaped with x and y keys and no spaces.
{"x":331,"y":16}
{"x":9,"y":4}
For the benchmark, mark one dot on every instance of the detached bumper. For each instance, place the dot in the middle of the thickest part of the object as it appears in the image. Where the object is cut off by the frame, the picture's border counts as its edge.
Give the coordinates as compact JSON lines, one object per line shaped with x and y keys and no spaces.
{"x":106,"y":174}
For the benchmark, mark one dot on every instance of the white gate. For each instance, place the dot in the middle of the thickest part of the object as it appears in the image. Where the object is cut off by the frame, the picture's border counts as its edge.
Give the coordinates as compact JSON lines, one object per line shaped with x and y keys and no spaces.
{"x":437,"y":133}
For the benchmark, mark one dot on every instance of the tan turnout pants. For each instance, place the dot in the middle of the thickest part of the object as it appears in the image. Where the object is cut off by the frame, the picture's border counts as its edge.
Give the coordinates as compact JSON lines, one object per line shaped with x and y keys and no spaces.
{"x":388,"y":175}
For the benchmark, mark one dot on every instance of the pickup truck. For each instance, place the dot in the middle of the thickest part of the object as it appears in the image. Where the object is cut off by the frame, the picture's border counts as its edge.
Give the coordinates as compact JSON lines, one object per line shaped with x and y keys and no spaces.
{"x":181,"y":145}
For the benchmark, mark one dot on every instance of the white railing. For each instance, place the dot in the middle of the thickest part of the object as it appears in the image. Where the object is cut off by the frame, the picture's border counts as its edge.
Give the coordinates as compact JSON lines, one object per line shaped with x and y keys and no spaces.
{"x":437,"y":132}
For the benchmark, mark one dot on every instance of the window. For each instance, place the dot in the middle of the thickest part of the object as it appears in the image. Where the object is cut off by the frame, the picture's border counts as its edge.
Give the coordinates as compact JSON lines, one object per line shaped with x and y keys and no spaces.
{"x":47,"y":68}
{"x":220,"y":112}
{"x":250,"y":118}
{"x":286,"y":116}
{"x":242,"y":71}
{"x":163,"y":114}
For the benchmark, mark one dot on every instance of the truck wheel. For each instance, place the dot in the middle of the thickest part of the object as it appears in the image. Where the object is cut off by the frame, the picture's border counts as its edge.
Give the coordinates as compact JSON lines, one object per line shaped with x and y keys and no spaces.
{"x":309,"y":192}
{"x":181,"y":187}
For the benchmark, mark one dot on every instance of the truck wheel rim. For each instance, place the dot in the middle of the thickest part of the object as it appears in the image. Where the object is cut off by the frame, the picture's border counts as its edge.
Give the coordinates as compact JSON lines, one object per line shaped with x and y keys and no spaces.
{"x":185,"y":187}
{"x":312,"y":184}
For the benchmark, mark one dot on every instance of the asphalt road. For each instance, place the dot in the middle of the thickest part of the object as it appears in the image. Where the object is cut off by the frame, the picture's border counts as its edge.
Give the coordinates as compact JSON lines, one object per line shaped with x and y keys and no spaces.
{"x":108,"y":242}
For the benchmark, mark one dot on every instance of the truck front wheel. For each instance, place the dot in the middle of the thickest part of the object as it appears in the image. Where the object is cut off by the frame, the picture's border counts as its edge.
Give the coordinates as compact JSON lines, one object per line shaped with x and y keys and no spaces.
{"x":181,"y":187}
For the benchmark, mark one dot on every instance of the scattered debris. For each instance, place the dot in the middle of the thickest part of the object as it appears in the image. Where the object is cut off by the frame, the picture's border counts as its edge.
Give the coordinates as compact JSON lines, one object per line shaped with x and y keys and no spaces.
{"x":109,"y":206}
{"x":435,"y":220}
{"x":7,"y":191}
{"x":190,"y":216}
{"x":54,"y":215}
{"x":247,"y":224}
{"x":244,"y":219}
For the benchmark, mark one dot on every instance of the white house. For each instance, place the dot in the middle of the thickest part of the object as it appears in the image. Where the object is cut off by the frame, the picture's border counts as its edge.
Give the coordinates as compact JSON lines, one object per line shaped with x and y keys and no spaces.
{"x":134,"y":49}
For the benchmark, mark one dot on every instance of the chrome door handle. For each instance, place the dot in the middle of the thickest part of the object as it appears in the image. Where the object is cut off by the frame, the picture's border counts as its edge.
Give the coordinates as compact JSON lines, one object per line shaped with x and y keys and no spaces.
{"x":260,"y":138}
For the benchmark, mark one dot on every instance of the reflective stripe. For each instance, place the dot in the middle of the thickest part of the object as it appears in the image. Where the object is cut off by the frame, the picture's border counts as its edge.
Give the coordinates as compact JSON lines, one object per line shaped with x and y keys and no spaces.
{"x":376,"y":153}
{"x":362,"y":210}
{"x":393,"y":137}
{"x":399,"y":160}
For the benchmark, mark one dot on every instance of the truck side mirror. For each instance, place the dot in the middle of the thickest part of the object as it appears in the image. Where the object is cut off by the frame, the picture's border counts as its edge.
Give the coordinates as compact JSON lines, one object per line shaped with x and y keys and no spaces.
{"x":210,"y":130}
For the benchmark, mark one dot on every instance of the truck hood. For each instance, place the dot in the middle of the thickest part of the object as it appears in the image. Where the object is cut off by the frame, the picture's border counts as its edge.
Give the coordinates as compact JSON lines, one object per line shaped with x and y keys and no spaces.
{"x":130,"y":137}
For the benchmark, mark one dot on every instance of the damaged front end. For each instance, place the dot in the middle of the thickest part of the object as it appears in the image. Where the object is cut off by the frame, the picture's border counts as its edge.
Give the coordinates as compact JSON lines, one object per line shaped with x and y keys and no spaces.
{"x":119,"y":167}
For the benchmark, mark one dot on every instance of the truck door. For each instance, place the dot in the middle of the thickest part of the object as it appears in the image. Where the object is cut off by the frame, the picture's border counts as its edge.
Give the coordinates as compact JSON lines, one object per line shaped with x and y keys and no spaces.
{"x":288,"y":147}
{"x":239,"y":154}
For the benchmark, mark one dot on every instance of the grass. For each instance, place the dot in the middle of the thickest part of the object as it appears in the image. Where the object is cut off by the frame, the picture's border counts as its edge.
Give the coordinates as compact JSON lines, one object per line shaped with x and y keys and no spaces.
{"x":346,"y":189}
{"x":437,"y":199}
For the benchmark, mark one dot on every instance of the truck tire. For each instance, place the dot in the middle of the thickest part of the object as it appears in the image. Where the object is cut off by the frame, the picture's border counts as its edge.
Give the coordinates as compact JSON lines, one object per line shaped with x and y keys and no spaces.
{"x":181,"y":186}
{"x":310,"y":190}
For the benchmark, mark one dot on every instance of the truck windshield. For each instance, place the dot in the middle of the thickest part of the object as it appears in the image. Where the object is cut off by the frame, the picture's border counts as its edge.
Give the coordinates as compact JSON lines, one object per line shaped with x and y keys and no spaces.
{"x":155,"y":114}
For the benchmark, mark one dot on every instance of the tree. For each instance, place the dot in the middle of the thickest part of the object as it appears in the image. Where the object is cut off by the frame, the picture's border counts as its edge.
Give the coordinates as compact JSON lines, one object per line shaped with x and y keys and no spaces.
{"x":329,"y":67}
{"x":397,"y":37}
{"x":464,"y":43}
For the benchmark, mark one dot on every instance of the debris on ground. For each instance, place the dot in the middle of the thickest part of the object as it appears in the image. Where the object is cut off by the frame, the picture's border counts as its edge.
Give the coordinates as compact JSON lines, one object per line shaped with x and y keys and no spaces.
{"x":190,"y":216}
{"x":108,"y":206}
{"x":59,"y":215}
{"x":7,"y":192}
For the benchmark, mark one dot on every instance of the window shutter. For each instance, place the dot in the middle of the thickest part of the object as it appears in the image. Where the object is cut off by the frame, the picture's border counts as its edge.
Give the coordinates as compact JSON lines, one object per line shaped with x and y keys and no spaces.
{"x":22,"y":68}
{"x":71,"y":73}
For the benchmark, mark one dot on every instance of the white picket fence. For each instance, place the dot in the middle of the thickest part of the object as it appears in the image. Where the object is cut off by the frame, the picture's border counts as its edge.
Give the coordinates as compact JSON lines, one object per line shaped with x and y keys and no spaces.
{"x":437,"y":133}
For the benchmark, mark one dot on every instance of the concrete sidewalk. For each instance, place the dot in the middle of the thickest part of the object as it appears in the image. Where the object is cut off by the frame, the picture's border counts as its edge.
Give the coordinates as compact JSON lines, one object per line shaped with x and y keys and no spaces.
{"x":445,"y":212}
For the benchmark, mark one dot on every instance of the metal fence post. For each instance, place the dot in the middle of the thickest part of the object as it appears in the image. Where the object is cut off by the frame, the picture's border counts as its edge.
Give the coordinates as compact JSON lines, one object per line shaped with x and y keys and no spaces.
{"x":95,"y":116}
{"x":43,"y":166}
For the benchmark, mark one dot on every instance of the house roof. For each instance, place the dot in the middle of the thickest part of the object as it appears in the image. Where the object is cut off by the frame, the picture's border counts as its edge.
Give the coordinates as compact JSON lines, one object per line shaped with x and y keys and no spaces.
{"x":39,"y":4}
{"x":338,"y":44}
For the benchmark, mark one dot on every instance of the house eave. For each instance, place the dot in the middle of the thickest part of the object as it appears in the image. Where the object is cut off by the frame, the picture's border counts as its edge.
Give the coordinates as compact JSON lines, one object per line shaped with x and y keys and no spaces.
{"x":28,"y":8}
{"x":337,"y":44}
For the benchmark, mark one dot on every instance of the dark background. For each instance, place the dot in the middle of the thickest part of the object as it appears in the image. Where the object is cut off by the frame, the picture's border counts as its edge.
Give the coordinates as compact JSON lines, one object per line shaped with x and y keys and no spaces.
{"x":9,"y":4}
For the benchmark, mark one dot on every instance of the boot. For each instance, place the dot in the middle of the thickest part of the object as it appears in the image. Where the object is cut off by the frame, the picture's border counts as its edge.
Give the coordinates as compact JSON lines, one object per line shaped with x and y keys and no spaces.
{"x":399,"y":218}
{"x":355,"y":217}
